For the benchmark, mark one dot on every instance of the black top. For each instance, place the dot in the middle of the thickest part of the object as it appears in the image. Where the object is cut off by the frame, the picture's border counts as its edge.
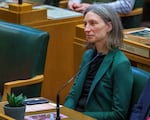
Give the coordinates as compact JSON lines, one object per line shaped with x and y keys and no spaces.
{"x":89,"y":79}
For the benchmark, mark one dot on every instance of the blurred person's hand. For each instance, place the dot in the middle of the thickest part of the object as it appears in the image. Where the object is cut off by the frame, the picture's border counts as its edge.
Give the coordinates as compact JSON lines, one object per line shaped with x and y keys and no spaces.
{"x":78,"y":7}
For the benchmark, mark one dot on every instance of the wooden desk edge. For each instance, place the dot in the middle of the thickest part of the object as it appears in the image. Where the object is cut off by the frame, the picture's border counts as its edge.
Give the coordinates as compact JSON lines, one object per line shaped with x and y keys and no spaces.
{"x":72,"y":114}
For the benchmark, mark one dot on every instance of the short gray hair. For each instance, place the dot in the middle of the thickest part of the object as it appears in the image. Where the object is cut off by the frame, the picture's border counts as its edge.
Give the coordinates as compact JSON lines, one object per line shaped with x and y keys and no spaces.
{"x":115,"y":36}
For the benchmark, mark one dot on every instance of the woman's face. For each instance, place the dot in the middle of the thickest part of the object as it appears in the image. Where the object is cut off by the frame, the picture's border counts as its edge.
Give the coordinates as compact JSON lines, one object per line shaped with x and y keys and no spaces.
{"x":95,"y":28}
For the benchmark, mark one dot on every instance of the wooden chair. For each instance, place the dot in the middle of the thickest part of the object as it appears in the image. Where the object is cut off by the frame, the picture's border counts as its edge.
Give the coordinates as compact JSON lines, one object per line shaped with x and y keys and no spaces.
{"x":5,"y":117}
{"x":18,"y":83}
{"x":22,"y":59}
{"x":134,"y":18}
{"x":137,"y":11}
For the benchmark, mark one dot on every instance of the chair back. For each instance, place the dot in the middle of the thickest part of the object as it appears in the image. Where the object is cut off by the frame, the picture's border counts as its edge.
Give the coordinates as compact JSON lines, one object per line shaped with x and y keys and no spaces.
{"x":134,"y":18}
{"x":140,"y":79}
{"x":22,"y":55}
{"x":138,"y":4}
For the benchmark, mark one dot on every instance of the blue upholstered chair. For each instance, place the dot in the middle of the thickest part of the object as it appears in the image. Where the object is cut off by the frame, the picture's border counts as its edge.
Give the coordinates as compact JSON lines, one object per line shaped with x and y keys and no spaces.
{"x":22,"y":59}
{"x":140,"y":79}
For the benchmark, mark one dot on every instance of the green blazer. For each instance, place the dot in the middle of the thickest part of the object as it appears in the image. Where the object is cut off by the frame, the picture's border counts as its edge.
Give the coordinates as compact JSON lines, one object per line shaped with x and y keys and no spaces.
{"x":110,"y":92}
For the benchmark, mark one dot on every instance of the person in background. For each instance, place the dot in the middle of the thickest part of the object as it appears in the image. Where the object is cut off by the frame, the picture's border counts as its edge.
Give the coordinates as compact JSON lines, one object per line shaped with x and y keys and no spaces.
{"x":120,"y":6}
{"x":103,"y":86}
{"x":141,"y":110}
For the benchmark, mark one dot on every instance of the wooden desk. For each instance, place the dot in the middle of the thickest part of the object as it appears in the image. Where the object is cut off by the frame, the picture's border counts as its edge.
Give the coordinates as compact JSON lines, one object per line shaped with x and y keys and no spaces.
{"x":79,"y":48}
{"x":72,"y":115}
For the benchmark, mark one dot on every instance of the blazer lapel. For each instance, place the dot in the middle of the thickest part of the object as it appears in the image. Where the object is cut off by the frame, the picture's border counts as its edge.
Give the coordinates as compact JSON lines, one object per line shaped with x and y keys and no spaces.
{"x":83,"y":70}
{"x":103,"y":68}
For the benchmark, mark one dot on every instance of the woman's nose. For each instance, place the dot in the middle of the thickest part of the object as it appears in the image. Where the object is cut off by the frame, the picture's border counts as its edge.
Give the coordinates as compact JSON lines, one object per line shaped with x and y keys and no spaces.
{"x":86,"y":28}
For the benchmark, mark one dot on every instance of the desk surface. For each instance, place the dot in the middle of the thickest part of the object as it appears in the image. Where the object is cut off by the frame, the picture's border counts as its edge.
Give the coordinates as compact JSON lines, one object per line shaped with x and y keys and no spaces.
{"x":72,"y":115}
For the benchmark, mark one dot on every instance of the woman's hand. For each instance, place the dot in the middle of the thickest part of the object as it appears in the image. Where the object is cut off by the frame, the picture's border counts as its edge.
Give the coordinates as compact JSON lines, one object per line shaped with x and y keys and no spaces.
{"x":78,"y":7}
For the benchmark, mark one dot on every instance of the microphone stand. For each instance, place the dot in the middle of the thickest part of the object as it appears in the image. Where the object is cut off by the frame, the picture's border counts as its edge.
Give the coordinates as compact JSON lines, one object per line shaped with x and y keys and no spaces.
{"x":57,"y":108}
{"x":64,"y":85}
{"x":58,"y":98}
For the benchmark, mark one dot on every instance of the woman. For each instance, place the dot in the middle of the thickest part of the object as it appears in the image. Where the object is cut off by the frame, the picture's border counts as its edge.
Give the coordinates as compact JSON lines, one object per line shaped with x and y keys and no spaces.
{"x":103,"y":87}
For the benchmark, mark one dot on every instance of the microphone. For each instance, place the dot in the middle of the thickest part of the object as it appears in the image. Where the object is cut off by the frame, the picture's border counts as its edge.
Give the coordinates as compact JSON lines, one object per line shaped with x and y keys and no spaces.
{"x":67,"y":83}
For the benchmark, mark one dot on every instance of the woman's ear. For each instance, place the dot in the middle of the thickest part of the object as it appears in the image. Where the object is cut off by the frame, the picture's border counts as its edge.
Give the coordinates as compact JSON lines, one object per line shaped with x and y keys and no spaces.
{"x":109,"y":26}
